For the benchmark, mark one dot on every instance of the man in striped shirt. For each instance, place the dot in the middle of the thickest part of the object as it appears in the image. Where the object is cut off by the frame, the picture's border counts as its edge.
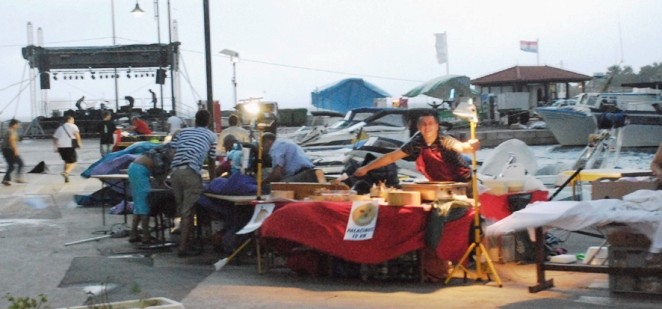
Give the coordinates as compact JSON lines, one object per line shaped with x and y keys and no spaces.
{"x":193,"y":146}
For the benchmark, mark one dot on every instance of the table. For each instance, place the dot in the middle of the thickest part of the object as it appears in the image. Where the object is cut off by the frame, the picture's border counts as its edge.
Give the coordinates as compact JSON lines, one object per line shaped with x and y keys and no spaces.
{"x":112,"y":180}
{"x":238,"y":200}
{"x":574,"y":216}
{"x":600,"y":174}
{"x":321,"y":226}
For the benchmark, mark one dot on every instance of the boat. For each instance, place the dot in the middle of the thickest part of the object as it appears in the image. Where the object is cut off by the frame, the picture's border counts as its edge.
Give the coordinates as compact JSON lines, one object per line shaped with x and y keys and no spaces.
{"x":572,"y":125}
{"x":393,"y":125}
{"x":319,"y":123}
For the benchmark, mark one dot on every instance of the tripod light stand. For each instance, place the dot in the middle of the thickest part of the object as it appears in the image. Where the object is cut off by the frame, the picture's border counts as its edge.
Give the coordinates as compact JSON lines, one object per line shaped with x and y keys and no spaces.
{"x":467,"y":110}
{"x":260,"y":130}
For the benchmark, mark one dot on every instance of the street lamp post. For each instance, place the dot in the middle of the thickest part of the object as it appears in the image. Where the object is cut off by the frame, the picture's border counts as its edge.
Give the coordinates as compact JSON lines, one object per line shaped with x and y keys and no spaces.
{"x":234,"y":57}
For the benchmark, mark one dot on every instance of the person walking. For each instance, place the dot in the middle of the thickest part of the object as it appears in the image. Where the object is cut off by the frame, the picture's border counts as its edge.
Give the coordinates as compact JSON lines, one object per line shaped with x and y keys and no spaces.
{"x":193,"y":146}
{"x":11,"y":153}
{"x":106,"y":130}
{"x":65,"y":141}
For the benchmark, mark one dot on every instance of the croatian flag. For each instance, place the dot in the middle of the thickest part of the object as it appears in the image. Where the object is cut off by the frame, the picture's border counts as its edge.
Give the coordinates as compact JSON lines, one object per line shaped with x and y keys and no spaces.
{"x":529,"y":46}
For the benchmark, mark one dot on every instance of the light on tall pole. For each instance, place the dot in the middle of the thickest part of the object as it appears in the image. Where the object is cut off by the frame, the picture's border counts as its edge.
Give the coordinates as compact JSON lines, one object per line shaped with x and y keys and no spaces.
{"x":137,"y":11}
{"x":234,"y":57}
{"x":467,"y":110}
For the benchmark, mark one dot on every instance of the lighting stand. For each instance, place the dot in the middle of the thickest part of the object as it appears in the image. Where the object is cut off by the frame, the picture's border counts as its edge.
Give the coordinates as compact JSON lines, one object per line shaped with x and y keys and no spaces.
{"x":477,"y":247}
{"x":260,"y":130}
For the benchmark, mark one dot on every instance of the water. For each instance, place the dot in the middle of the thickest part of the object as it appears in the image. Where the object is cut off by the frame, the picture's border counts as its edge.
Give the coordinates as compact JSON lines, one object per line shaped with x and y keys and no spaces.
{"x":629,"y":158}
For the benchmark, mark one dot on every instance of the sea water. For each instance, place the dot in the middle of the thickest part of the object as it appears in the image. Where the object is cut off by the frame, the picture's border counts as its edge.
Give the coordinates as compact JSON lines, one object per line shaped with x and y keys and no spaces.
{"x":628,"y":158}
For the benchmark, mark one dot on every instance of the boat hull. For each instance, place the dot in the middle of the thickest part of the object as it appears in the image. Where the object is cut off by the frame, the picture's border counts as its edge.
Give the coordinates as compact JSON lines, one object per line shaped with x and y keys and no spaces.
{"x":570,"y":127}
{"x":643,"y":130}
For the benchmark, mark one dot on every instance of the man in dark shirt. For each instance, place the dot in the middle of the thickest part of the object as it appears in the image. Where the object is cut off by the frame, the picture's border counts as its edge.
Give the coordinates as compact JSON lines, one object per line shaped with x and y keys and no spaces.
{"x":438,"y":156}
{"x":106,"y":130}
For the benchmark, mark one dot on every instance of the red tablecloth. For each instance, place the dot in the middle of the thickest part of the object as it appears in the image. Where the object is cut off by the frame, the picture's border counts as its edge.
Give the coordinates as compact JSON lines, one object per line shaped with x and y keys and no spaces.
{"x":321,"y":225}
{"x":495,"y":207}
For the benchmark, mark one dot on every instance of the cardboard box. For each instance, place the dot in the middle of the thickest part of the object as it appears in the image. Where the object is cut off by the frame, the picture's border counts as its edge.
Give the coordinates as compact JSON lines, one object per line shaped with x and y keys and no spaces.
{"x":617,"y":189}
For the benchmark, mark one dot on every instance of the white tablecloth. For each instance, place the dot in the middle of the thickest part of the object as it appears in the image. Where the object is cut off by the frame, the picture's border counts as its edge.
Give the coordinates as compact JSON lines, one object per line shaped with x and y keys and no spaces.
{"x":640,"y":210}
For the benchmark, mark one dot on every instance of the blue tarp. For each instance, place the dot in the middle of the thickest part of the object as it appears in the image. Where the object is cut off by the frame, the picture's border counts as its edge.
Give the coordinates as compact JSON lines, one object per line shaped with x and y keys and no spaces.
{"x":347,"y":94}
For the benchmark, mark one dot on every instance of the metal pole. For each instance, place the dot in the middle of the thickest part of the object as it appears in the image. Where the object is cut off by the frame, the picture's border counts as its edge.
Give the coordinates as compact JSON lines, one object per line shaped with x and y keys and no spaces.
{"x":158,"y":33}
{"x":210,"y":96}
{"x":234,"y":80}
{"x":172,"y":75}
{"x":117,"y":100}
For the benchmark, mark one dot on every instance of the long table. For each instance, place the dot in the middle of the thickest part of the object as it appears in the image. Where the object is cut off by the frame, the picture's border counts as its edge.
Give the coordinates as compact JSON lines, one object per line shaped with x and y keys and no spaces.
{"x":399,"y":230}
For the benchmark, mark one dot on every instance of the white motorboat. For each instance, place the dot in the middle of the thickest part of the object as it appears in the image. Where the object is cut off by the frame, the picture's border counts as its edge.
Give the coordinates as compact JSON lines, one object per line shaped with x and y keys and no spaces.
{"x":390,"y":124}
{"x":572,"y":125}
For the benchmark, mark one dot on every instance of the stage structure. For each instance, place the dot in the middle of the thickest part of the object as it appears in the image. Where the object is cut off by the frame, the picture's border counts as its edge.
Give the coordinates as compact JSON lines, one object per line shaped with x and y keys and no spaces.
{"x":98,"y":60}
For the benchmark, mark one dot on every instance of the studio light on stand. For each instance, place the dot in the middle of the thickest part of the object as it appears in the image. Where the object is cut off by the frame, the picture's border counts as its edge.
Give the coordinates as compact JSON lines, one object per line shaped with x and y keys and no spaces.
{"x":260,"y":130}
{"x":234,"y":58}
{"x":467,"y":110}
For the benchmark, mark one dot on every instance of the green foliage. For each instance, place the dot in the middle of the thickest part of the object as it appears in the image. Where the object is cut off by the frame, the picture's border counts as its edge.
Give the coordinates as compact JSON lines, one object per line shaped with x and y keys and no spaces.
{"x":27,"y":302}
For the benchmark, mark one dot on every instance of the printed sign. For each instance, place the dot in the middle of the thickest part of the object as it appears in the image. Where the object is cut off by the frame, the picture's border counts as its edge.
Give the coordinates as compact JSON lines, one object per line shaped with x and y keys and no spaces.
{"x":362,"y":220}
{"x":261,"y":212}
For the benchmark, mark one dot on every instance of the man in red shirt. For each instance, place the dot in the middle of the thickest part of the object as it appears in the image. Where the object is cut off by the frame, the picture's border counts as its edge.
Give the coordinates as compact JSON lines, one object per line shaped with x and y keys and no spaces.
{"x":140,"y":126}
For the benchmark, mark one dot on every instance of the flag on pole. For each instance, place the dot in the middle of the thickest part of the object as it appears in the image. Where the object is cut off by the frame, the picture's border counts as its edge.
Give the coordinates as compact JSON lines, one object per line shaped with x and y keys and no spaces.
{"x":442,"y":47}
{"x":529,"y":46}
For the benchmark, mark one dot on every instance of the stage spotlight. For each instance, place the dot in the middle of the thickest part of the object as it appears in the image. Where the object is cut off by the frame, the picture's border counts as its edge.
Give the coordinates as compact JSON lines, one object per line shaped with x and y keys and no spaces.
{"x":128,"y":75}
{"x":54,"y":76}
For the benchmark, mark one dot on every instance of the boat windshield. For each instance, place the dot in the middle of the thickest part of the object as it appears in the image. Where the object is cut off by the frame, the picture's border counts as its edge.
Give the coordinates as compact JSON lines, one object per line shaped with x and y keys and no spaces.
{"x":350,"y":119}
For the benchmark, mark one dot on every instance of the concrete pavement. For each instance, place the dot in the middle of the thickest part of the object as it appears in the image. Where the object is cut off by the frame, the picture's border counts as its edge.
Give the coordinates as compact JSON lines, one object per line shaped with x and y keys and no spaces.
{"x":37,"y":219}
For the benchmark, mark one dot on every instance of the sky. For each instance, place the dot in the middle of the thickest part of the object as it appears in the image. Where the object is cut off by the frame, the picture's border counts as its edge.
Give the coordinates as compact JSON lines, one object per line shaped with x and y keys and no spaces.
{"x":289,"y":48}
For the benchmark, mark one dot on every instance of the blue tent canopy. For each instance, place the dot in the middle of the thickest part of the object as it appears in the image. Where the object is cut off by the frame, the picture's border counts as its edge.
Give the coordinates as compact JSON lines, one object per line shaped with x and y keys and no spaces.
{"x":347,"y":94}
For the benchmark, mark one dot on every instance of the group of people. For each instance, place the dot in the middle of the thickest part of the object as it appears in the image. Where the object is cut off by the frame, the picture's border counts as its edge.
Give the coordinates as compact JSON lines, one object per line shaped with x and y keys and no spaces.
{"x":439,"y":157}
{"x":182,"y":159}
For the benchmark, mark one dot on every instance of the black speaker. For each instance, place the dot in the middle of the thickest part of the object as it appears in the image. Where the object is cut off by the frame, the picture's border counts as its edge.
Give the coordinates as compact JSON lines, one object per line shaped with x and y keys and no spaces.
{"x":45,"y":80}
{"x":160,"y":76}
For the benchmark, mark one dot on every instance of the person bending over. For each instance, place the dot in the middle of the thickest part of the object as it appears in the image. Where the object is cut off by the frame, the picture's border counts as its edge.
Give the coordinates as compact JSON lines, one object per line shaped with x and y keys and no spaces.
{"x":152,"y":163}
{"x":288,"y":161}
{"x":194,"y":145}
{"x":140,"y":126}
